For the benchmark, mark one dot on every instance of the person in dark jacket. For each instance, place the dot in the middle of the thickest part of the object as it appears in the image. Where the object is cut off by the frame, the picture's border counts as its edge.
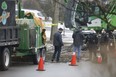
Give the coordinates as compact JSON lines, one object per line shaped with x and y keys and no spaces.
{"x":92,"y":44}
{"x":77,"y":42}
{"x":58,"y":43}
{"x":104,"y":40}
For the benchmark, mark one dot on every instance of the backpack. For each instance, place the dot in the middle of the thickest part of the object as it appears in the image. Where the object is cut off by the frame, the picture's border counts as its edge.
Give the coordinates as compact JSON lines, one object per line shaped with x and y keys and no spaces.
{"x":104,"y":38}
{"x":92,"y":38}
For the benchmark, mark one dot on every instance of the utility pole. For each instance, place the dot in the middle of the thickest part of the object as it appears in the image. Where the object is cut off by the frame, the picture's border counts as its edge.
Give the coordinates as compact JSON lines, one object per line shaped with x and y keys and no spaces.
{"x":55,"y":19}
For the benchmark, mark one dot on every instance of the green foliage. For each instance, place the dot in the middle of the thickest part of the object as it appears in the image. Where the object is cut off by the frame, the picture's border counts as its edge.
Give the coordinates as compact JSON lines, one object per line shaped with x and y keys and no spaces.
{"x":106,"y":12}
{"x":65,"y":1}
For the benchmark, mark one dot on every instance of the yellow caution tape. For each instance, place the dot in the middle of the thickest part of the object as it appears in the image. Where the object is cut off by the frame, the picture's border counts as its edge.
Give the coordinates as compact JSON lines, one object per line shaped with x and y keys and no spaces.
{"x":51,"y":24}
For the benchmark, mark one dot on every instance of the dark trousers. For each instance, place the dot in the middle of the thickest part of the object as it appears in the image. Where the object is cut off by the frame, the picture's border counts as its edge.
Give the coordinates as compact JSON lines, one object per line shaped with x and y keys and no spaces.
{"x":92,"y":50}
{"x":103,"y":51}
{"x":56,"y":54}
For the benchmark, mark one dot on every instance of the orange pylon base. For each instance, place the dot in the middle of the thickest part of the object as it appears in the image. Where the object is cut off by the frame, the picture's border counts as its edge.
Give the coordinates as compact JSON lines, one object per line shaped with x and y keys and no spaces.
{"x":40,"y":70}
{"x":73,"y":65}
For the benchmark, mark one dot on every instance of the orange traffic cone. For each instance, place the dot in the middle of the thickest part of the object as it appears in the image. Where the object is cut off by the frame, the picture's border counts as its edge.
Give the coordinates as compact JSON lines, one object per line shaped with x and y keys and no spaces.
{"x":73,"y":60}
{"x":41,"y":65}
{"x":99,"y":58}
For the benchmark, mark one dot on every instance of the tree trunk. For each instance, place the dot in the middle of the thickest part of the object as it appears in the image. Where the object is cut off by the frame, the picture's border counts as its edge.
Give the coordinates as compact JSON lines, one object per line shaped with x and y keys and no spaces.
{"x":55,"y":19}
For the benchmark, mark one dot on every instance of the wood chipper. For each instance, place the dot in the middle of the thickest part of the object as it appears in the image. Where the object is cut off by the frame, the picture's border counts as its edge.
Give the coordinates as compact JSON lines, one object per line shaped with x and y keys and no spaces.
{"x":19,"y":37}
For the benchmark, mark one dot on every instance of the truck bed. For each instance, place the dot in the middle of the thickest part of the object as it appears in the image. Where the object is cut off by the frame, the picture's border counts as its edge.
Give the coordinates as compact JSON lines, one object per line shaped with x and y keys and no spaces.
{"x":9,"y":35}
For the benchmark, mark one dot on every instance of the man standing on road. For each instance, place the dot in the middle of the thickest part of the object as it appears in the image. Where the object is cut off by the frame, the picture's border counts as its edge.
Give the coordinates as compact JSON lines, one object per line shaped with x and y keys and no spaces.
{"x":104,"y":40}
{"x":92,"y":44}
{"x":77,"y":42}
{"x":58,"y":43}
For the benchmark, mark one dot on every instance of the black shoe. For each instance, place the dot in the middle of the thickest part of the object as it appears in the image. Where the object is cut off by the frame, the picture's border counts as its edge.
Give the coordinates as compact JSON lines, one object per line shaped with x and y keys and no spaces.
{"x":78,"y":59}
{"x":52,"y":61}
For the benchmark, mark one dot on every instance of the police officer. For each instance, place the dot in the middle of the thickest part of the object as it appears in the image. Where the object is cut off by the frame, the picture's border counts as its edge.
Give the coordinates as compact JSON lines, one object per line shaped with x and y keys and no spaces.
{"x":92,"y":43}
{"x":104,"y":44}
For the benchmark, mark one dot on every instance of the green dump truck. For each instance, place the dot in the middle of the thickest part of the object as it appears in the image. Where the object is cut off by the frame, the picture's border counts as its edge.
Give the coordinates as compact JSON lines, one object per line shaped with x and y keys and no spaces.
{"x":18,"y":37}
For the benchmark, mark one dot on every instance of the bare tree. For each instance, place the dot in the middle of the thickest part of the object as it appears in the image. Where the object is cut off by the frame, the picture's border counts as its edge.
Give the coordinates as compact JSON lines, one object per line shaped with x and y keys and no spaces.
{"x":102,"y":9}
{"x":31,"y":4}
{"x":55,"y":18}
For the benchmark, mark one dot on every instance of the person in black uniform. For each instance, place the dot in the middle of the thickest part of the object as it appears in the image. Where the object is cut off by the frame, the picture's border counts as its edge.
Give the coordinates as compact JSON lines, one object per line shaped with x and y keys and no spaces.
{"x":104,"y":40}
{"x":92,"y":44}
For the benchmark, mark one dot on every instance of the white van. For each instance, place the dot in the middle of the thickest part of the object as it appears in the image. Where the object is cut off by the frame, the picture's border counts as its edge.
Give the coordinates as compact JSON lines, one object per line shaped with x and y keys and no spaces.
{"x":35,"y":12}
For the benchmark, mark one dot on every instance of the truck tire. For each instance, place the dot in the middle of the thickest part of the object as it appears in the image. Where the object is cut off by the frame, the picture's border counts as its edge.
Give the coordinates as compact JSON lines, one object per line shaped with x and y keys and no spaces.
{"x":5,"y":59}
{"x":41,"y":53}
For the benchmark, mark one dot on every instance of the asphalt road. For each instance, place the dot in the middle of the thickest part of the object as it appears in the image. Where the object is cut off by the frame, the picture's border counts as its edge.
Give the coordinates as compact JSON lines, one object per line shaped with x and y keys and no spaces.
{"x":84,"y":69}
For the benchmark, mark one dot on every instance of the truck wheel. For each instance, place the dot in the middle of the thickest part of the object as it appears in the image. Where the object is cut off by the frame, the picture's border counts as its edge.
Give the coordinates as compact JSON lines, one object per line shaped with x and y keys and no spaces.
{"x":36,"y":57}
{"x":5,"y":59}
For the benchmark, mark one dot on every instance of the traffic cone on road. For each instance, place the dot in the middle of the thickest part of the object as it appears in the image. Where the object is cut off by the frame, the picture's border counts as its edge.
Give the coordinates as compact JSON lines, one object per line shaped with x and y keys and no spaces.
{"x":99,"y":58}
{"x":73,"y":60}
{"x":41,"y":65}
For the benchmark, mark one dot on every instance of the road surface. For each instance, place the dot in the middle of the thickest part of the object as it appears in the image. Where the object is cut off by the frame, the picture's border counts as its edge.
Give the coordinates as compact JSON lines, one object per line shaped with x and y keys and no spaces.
{"x":84,"y":69}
